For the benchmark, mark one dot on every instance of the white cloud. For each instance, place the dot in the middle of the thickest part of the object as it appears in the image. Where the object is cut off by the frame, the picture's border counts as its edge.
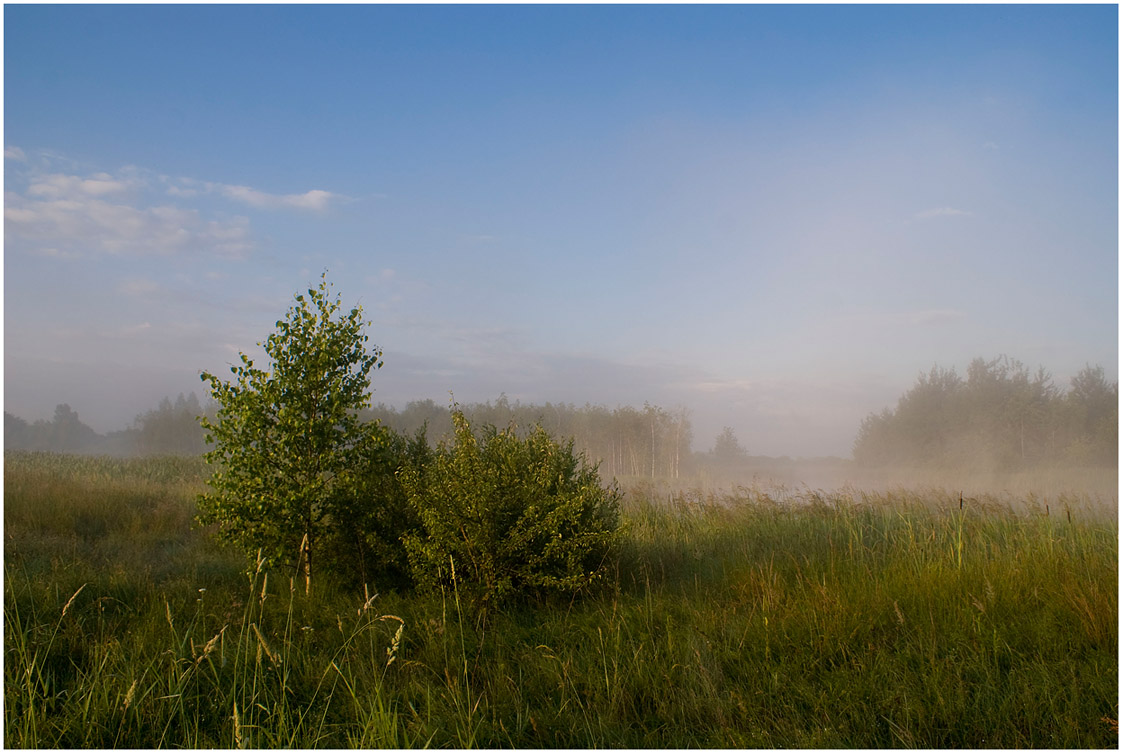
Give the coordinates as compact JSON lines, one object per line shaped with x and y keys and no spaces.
{"x":71,"y":215}
{"x":67,"y":214}
{"x":314,"y":200}
{"x":182,"y":192}
{"x":59,"y":186}
{"x":941,"y":212}
{"x":230,"y":238}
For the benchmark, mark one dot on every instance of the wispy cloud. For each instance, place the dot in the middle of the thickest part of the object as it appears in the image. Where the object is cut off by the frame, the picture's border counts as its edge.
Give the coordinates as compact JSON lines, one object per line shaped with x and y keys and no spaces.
{"x":180,"y":191}
{"x":59,"y":186}
{"x":941,"y":212}
{"x":68,"y":214}
{"x":315,"y":200}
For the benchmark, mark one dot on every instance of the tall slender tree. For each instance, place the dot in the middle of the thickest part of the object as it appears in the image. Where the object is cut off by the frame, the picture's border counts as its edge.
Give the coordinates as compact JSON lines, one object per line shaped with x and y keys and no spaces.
{"x":288,"y":442}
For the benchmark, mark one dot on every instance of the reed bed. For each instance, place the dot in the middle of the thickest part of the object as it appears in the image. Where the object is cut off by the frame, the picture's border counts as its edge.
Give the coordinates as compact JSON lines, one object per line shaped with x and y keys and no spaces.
{"x":749,"y":617}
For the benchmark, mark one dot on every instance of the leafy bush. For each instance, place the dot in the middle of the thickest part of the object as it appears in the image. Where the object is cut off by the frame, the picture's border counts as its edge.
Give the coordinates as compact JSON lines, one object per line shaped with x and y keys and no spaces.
{"x":508,"y":516}
{"x":374,"y":512}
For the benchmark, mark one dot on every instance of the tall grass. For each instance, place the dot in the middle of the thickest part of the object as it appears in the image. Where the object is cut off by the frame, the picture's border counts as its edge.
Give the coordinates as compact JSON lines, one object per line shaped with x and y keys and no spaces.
{"x":745,"y":618}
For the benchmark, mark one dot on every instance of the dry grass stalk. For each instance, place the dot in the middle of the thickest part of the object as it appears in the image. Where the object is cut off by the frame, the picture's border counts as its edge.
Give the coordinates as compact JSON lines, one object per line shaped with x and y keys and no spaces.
{"x":73,"y":597}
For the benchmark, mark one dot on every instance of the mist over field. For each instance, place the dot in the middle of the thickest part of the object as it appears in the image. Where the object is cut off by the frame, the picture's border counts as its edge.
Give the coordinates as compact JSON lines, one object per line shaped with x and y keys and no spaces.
{"x":819,"y":424}
{"x":1000,"y":428}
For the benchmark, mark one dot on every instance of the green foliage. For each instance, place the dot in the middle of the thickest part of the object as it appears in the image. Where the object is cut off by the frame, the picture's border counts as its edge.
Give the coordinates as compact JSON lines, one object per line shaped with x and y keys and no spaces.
{"x":287,"y":443}
{"x":508,"y":516}
{"x":369,"y":549}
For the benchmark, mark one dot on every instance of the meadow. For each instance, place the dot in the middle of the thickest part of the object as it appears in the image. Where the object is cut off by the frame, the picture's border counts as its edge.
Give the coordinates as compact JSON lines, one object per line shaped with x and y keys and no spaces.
{"x":736,"y":618}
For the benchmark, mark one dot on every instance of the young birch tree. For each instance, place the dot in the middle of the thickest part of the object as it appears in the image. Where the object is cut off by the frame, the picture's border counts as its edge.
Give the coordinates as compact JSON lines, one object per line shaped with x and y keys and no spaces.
{"x":286,"y":442}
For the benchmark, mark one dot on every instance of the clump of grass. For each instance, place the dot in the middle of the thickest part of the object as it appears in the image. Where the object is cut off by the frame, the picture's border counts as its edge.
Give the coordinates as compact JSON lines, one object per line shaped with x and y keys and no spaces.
{"x":260,"y":679}
{"x":150,"y":654}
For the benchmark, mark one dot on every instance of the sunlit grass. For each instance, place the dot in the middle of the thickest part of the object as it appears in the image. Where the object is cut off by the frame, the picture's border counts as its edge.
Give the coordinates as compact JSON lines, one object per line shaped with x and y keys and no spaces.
{"x":744,"y":618}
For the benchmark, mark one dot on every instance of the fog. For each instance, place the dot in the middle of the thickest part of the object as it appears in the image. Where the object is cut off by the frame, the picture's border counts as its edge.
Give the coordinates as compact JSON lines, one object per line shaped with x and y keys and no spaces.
{"x":798,"y":418}
{"x":1000,"y":428}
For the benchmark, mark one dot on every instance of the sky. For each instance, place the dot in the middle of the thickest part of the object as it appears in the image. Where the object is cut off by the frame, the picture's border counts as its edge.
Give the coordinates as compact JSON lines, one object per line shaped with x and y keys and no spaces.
{"x":776,"y":217}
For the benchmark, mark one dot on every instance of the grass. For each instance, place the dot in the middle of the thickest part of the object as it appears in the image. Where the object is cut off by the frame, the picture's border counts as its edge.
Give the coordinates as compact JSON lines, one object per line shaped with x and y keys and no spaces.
{"x":743,"y":618}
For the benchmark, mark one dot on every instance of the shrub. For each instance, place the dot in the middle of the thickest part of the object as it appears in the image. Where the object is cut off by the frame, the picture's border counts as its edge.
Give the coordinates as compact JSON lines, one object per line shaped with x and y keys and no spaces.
{"x":508,"y":516}
{"x":374,"y":512}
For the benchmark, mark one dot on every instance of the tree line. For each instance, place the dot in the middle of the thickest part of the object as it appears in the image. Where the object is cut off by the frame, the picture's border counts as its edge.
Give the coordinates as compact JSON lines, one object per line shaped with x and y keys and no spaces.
{"x":1001,"y":417}
{"x":172,"y":428}
{"x":625,"y":441}
{"x":651,"y":442}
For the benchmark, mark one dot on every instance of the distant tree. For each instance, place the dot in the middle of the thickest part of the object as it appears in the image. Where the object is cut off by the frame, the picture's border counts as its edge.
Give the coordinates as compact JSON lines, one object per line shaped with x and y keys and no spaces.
{"x":1002,"y":417}
{"x":925,"y":415}
{"x":680,"y":437}
{"x":728,"y":450}
{"x":288,"y":443}
{"x":17,"y":433}
{"x":423,"y":415}
{"x":1092,"y":409}
{"x":65,"y":433}
{"x":171,"y":428}
{"x":619,"y":439}
{"x":876,"y":442}
{"x":68,"y":433}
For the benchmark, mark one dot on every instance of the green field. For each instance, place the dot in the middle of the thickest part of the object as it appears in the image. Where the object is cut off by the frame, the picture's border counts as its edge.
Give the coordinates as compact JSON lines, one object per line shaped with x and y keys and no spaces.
{"x":741,"y":618}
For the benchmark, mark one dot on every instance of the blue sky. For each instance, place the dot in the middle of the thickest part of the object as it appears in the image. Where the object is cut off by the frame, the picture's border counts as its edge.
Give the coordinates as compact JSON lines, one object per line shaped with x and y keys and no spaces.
{"x":775,"y":216}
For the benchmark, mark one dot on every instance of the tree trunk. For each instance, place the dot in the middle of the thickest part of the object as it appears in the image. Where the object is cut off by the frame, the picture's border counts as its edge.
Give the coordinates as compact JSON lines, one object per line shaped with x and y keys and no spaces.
{"x":305,"y":561}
